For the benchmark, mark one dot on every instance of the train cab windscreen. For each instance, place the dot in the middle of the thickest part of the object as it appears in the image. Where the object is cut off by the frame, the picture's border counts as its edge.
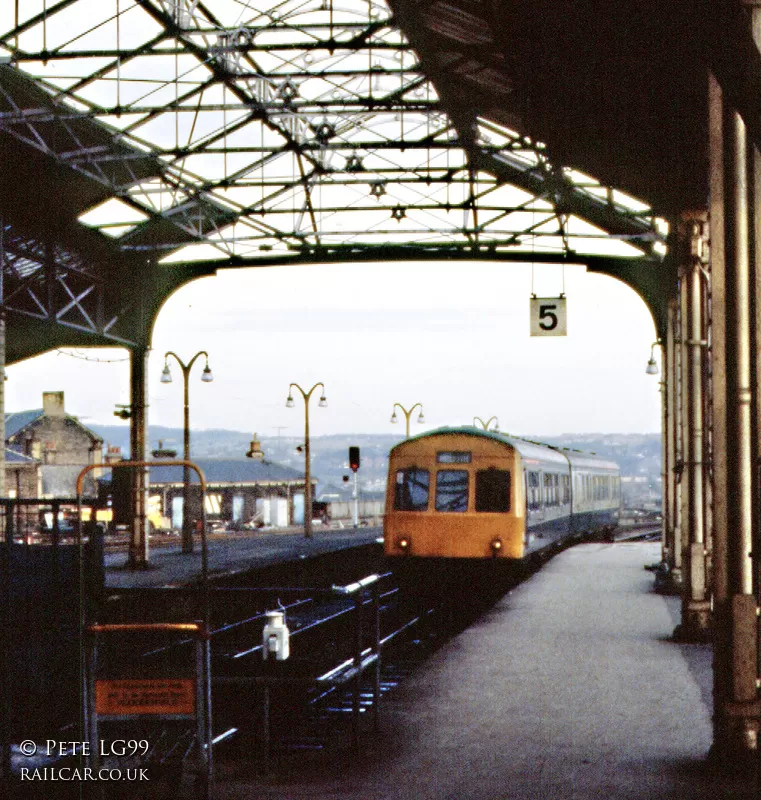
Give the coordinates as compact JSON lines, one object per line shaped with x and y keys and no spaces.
{"x":411,"y":493}
{"x":452,"y":490}
{"x":493,"y":490}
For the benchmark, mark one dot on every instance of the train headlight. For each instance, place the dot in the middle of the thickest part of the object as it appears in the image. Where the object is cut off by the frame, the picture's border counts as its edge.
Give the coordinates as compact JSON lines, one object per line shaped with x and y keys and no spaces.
{"x":496,"y":546}
{"x":403,"y":543}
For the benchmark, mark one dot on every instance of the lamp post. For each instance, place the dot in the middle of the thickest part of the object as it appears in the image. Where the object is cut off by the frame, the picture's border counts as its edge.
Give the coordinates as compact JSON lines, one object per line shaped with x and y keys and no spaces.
{"x":652,"y":366}
{"x":668,"y":478}
{"x":166,"y":377}
{"x":485,"y":425}
{"x":407,"y":415}
{"x":307,"y":466}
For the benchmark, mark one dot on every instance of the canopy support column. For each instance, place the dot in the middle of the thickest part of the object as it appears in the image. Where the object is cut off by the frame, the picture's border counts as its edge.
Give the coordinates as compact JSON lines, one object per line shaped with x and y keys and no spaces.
{"x":673,"y":550}
{"x":736,"y":707}
{"x":139,"y":547}
{"x":693,"y":240}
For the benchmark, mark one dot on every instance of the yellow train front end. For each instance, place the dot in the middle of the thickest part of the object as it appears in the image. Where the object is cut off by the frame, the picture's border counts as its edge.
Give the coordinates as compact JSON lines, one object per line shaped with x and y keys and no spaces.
{"x":455,"y":495}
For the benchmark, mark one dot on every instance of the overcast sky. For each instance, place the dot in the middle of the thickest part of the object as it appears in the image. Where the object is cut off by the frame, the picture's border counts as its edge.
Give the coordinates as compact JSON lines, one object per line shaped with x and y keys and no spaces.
{"x":453,"y":336}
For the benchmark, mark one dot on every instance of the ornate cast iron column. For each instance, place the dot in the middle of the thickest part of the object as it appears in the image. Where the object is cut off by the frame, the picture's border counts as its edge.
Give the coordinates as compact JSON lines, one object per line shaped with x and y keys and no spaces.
{"x":693,"y":246}
{"x":737,"y":710}
{"x":670,"y":516}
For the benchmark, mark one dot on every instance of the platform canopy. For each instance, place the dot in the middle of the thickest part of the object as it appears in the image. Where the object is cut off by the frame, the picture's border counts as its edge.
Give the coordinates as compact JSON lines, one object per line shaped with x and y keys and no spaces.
{"x":149,"y":141}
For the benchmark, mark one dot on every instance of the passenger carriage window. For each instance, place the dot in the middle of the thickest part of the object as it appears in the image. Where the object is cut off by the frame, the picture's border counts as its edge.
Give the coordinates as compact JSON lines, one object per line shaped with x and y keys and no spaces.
{"x":534,"y":491}
{"x":551,"y":491}
{"x":601,"y":487}
{"x":411,"y":491}
{"x":565,"y":485}
{"x":451,"y":490}
{"x":493,"y":490}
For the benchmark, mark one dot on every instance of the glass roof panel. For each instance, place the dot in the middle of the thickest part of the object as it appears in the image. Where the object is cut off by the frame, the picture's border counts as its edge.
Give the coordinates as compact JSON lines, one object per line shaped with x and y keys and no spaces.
{"x":111,"y":211}
{"x":283,"y":126}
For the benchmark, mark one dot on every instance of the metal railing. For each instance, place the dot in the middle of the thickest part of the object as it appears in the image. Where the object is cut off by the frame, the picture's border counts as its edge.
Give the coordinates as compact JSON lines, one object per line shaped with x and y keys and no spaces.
{"x":177,"y":695}
{"x":347,"y":616}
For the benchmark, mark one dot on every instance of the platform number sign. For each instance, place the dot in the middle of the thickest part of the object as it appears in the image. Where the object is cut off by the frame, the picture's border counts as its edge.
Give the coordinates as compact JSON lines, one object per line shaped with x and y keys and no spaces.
{"x":548,"y":316}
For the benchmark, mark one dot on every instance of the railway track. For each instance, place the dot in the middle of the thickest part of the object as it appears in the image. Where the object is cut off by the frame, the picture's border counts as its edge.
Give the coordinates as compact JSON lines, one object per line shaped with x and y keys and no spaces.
{"x":641,"y":534}
{"x":119,"y":542}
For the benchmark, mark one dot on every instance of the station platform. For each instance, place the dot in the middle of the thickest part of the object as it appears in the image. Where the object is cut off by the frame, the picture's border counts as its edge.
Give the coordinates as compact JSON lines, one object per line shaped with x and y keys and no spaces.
{"x":569,"y":688}
{"x":231,"y":555}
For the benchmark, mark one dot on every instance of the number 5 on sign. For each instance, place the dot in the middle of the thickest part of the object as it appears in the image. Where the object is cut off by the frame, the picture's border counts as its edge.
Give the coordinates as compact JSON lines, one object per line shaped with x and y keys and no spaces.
{"x":548,"y":317}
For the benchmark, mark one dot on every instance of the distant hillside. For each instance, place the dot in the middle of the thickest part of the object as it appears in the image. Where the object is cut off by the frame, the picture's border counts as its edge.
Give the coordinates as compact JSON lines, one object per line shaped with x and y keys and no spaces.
{"x":329,"y":453}
{"x":636,"y":454}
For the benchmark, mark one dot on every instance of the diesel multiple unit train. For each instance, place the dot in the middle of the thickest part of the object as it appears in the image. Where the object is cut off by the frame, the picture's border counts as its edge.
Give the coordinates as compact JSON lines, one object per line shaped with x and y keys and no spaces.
{"x":465,"y":493}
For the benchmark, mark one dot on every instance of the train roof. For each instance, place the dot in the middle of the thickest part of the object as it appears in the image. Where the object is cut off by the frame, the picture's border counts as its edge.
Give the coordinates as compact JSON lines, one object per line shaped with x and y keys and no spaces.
{"x":529,"y":450}
{"x":583,"y":460}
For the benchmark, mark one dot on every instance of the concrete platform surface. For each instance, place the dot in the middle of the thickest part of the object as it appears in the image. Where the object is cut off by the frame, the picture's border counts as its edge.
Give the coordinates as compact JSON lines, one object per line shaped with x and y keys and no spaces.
{"x":570,"y":688}
{"x":231,"y":555}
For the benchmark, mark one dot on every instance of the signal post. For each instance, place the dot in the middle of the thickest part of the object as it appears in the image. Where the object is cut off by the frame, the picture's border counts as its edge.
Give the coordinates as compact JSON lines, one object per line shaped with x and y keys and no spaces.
{"x":354,"y":464}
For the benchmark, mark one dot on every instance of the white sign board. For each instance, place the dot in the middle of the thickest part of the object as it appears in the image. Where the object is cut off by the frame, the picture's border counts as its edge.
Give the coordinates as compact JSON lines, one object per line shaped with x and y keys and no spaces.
{"x":548,"y":316}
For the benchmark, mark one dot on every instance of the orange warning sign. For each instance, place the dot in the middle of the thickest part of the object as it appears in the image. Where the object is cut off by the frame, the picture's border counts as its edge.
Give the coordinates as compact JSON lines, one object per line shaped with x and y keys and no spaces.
{"x":150,"y":696}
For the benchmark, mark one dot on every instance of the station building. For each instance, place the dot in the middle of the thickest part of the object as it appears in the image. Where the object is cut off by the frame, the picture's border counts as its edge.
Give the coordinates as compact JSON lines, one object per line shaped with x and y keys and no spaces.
{"x":46,"y":449}
{"x":22,"y":475}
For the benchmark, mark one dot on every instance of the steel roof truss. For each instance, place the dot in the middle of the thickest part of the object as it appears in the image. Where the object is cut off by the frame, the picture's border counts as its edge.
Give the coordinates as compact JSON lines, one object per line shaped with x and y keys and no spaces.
{"x":333,"y":100}
{"x":49,"y":283}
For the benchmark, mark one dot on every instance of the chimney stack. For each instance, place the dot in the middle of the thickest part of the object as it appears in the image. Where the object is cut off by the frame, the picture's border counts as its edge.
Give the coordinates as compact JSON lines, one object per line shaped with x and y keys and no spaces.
{"x":113,"y":454}
{"x":52,"y":404}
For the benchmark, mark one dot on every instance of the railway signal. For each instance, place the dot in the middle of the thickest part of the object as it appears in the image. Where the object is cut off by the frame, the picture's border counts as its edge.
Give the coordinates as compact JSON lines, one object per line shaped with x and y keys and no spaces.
{"x":354,"y":464}
{"x":354,"y":459}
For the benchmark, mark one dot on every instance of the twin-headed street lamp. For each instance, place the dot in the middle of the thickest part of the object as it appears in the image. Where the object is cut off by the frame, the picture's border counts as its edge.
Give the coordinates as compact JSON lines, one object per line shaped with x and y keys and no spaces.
{"x":485,"y":425}
{"x":307,"y":466}
{"x":407,"y":415}
{"x":206,"y":377}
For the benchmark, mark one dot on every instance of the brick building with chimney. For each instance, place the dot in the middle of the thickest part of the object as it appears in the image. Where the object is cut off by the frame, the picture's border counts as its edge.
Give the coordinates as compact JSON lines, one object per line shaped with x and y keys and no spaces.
{"x":53,"y":444}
